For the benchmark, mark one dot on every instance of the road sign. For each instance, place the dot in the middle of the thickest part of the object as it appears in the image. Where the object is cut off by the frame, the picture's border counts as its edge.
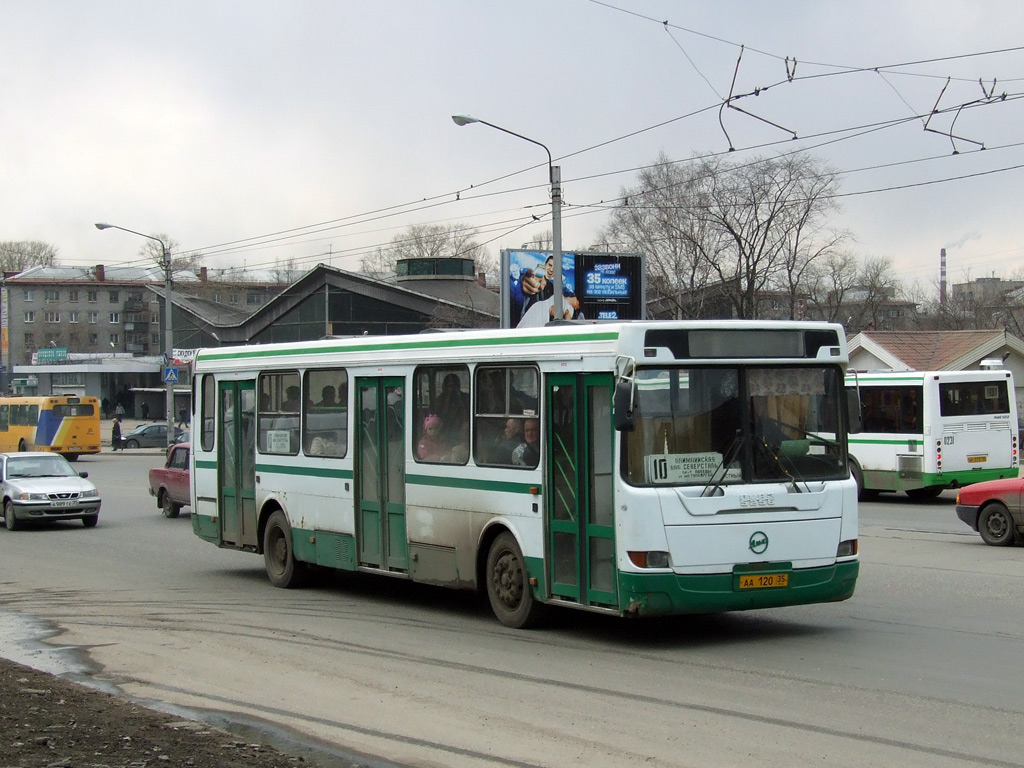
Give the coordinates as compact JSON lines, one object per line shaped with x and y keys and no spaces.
{"x":170,"y":375}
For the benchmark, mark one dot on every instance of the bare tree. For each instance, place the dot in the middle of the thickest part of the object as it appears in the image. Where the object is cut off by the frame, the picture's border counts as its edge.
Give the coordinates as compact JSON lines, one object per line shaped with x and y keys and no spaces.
{"x":831,"y":280}
{"x":429,"y":241}
{"x":180,"y":260}
{"x":19,"y":255}
{"x":714,"y":228}
{"x":656,"y":219}
{"x":877,"y":286}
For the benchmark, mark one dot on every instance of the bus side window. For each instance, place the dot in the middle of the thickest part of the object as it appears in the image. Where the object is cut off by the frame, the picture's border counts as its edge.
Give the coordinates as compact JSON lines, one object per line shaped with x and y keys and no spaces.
{"x":325,"y":421}
{"x":4,"y":417}
{"x":278,"y":414}
{"x":505,"y":396}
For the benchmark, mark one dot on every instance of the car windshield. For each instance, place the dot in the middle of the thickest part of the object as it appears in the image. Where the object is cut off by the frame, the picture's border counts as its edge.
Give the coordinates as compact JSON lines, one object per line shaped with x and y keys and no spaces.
{"x":38,"y":466}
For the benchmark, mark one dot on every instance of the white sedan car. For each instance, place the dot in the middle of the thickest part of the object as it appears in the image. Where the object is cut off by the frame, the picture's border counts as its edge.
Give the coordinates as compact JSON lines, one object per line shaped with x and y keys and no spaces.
{"x":38,"y":486}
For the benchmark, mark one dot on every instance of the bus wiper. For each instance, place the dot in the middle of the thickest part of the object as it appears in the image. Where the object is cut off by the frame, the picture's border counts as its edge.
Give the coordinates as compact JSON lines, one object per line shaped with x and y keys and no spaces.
{"x":727,"y":456}
{"x":777,"y":459}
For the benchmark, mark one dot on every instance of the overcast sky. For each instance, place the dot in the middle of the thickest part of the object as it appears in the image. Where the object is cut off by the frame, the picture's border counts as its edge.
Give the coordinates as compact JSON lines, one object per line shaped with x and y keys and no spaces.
{"x":262,"y":132}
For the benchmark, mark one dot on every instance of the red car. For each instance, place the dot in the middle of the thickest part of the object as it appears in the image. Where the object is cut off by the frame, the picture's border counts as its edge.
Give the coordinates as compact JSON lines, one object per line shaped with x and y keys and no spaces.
{"x":170,"y":483}
{"x":993,"y":508}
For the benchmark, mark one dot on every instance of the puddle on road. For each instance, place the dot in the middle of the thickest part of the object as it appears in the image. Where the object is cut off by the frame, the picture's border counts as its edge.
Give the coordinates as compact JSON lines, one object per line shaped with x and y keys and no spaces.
{"x":22,"y":639}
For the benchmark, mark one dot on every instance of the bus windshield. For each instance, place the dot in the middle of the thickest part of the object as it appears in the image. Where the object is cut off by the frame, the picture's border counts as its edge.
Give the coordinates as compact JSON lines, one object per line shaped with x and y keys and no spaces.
{"x":724,"y":425}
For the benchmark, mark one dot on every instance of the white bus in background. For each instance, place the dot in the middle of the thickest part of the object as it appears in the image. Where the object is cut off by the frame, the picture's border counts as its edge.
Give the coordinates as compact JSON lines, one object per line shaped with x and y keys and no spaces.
{"x":681,"y":467}
{"x":925,"y":431}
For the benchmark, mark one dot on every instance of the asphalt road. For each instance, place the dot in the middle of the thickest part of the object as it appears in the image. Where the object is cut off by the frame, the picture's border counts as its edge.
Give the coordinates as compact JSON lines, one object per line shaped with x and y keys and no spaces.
{"x":918,"y":669}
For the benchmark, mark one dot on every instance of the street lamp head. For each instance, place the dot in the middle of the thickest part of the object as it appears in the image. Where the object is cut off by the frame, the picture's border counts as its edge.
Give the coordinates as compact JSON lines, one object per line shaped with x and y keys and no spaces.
{"x":457,"y":119}
{"x":103,"y":226}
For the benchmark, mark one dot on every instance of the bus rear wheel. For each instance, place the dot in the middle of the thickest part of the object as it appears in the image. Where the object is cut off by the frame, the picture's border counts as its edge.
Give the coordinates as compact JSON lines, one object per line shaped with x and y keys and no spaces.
{"x":283,"y":569}
{"x":995,"y":525}
{"x":508,"y":587}
{"x":931,"y":492}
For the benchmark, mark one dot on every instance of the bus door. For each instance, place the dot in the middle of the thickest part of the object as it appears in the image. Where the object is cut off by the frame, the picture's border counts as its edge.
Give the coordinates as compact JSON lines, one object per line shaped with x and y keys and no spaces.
{"x":380,"y":474}
{"x":578,"y":488}
{"x":236,"y":463}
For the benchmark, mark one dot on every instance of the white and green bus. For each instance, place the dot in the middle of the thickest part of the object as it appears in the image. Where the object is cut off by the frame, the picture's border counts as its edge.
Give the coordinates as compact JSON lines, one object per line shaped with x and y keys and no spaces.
{"x":636,"y":469}
{"x":925,"y":431}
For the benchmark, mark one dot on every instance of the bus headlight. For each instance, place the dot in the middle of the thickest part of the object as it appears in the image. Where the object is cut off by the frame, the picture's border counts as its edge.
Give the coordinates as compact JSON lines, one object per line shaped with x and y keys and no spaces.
{"x":847,"y":548}
{"x":649,"y":559}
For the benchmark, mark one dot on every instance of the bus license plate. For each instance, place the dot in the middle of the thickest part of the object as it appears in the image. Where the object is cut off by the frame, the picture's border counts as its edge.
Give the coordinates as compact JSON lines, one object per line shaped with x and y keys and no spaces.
{"x":764,"y":581}
{"x":977,"y":459}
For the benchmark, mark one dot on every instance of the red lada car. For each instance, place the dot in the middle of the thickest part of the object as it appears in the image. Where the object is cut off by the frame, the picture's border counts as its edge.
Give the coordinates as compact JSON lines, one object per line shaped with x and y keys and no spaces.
{"x":170,"y":483}
{"x":993,"y":508}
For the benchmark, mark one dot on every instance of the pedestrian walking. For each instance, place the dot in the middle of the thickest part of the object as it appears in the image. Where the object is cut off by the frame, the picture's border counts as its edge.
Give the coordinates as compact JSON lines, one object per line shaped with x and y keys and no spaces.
{"x":115,"y":435}
{"x":145,"y":411}
{"x":119,"y":411}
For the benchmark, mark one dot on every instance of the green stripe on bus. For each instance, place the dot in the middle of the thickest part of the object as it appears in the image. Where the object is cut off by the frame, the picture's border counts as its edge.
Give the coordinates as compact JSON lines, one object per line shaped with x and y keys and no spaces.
{"x":501,"y":486}
{"x":421,"y":343}
{"x":902,"y":442}
{"x":282,"y":469}
{"x":205,"y":464}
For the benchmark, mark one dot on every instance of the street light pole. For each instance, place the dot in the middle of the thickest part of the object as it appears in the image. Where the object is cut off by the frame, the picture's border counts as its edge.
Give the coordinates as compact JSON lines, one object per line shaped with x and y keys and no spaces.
{"x":555,"y":177}
{"x":165,"y":254}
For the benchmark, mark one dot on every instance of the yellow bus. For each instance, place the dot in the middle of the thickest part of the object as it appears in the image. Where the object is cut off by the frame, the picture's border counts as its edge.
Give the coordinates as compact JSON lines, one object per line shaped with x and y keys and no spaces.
{"x":62,"y":424}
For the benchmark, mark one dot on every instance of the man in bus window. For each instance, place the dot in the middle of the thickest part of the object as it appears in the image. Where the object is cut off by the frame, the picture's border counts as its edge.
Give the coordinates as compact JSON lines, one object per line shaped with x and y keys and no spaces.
{"x":327,"y":399}
{"x":527,"y":453}
{"x":505,"y":444}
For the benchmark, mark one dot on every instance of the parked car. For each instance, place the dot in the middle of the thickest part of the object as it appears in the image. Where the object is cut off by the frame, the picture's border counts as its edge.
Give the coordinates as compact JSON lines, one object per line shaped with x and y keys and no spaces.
{"x":993,"y":509}
{"x":184,"y":437}
{"x":147,"y":436}
{"x":38,"y":486}
{"x":170,"y":483}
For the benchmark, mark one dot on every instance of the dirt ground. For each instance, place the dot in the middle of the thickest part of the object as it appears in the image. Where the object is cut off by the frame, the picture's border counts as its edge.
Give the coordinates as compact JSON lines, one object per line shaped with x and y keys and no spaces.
{"x":49,"y":722}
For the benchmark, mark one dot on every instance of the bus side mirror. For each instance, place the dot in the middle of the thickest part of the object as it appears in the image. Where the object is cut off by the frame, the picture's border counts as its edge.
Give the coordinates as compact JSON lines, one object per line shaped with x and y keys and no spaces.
{"x":853,"y":409}
{"x":622,"y":401}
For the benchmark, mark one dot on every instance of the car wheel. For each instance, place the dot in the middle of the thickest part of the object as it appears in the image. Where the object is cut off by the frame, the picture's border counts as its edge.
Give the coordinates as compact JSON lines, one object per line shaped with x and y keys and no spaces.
{"x":995,"y":525}
{"x":89,"y":521}
{"x":131,"y":444}
{"x":9,"y":519}
{"x":279,"y":554}
{"x":170,"y":508}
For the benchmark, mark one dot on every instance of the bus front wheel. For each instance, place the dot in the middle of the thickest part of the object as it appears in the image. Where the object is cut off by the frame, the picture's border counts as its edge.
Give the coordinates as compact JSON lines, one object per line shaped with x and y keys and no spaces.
{"x":283,"y":569}
{"x":22,"y":446}
{"x":508,"y":587}
{"x":995,"y":525}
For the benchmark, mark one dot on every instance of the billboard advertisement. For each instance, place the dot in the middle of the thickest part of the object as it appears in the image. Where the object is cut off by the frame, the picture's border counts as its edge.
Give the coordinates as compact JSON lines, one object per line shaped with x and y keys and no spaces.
{"x":595,"y":286}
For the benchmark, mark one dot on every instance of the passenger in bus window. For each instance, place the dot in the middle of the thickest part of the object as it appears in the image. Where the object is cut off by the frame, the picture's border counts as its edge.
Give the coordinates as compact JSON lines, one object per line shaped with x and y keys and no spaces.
{"x":510,"y":438}
{"x":327,"y":399}
{"x":527,"y":453}
{"x":491,"y":397}
{"x":459,"y":454}
{"x":432,"y":445}
{"x":291,"y":405}
{"x":452,"y":405}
